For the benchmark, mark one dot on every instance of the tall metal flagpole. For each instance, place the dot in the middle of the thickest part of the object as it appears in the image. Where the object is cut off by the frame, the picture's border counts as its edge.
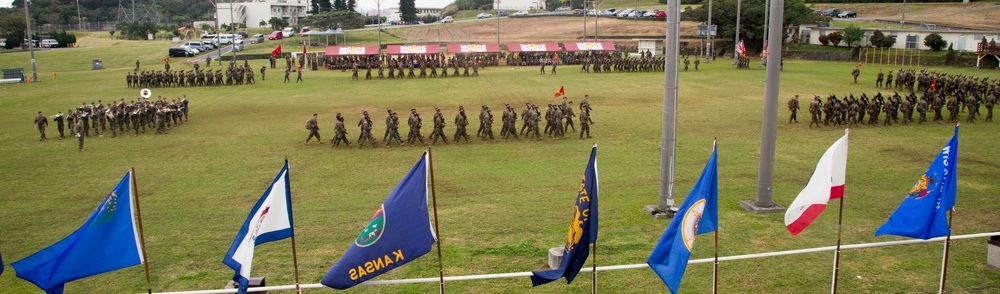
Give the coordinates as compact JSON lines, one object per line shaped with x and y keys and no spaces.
{"x":736,"y":42}
{"x":295,"y":256}
{"x":593,"y":285}
{"x":437,"y":230}
{"x":142,"y":236}
{"x":668,"y":145}
{"x":708,"y":48}
{"x":585,"y":21}
{"x":769,"y":124}
{"x":31,"y":49}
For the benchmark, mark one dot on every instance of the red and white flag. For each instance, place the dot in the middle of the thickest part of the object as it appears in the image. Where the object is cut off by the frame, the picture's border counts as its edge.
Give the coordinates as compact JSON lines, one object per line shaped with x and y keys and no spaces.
{"x":742,"y":50}
{"x":276,"y":52}
{"x":827,"y":183}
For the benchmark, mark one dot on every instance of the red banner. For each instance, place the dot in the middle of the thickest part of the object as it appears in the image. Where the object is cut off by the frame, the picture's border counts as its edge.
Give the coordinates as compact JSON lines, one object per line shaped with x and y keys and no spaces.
{"x":589,"y":46}
{"x":533,"y":47}
{"x":351,"y":50}
{"x":473,"y":48}
{"x":414,"y":49}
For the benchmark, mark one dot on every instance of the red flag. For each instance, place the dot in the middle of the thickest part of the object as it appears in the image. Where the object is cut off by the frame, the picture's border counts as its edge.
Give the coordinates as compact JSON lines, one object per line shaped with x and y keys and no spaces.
{"x":764,"y":54}
{"x":561,"y":92}
{"x":166,"y":60}
{"x":303,"y":50}
{"x":276,"y":52}
{"x":741,"y":49}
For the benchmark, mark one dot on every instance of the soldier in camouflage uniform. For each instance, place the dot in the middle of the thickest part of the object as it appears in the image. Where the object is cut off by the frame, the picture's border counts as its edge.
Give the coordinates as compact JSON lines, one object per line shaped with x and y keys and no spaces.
{"x":585,"y":123}
{"x":793,"y":106}
{"x":415,"y":123}
{"x":815,"y":110}
{"x":461,"y":121}
{"x":438,"y":126}
{"x":393,"y":130}
{"x":340,"y":134}
{"x":366,"y":131}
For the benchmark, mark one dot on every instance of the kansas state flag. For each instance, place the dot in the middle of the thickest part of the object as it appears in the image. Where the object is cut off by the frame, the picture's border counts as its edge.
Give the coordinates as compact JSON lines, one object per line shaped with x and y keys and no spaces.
{"x":269,"y":220}
{"x":699,"y":214}
{"x":582,"y":229}
{"x":923,"y":213}
{"x":107,"y":241}
{"x":399,"y":232}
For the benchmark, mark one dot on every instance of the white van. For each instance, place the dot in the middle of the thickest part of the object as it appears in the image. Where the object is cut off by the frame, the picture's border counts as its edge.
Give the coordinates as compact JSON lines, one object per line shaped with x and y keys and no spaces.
{"x":287,"y":32}
{"x":226,"y":39}
{"x":50,"y":43}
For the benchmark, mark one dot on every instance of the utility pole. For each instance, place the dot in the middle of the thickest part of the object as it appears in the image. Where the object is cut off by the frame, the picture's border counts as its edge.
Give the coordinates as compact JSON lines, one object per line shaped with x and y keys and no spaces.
{"x":378,"y":16}
{"x":767,"y":10}
{"x":708,"y":56}
{"x":31,"y":49}
{"x":736,"y":43}
{"x":80,"y":20}
{"x":498,"y":22}
{"x":769,"y":125}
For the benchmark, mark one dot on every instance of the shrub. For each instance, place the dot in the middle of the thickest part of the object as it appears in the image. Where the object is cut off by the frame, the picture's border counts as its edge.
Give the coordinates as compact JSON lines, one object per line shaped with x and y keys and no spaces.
{"x":823,"y":39}
{"x":834,"y":38}
{"x":935,"y":42}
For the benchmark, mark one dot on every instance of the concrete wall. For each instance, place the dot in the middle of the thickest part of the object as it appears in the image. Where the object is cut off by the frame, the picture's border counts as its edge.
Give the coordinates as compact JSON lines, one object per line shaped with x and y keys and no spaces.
{"x":962,"y":40}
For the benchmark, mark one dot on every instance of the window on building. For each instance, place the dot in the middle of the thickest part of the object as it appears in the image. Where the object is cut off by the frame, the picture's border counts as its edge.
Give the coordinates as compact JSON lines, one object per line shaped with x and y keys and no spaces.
{"x":911,"y":41}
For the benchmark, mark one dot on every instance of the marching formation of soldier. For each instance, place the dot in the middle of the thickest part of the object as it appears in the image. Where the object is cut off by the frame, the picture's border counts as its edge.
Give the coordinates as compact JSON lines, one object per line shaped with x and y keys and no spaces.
{"x":118,"y":118}
{"x":559,"y":120}
{"x":940,"y":92}
{"x":234,"y":75}
{"x":411,"y":66}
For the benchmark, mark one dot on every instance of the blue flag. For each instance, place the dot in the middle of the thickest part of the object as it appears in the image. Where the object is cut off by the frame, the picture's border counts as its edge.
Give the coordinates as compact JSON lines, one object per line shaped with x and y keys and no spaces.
{"x":699,"y":214}
{"x":1,"y":264}
{"x":269,"y":220}
{"x":582,"y":229}
{"x":923,"y":213}
{"x":399,"y":232}
{"x":107,"y":241}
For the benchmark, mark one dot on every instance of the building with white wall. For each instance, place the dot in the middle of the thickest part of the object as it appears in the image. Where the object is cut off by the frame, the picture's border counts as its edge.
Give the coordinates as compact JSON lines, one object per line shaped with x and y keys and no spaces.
{"x":252,"y":13}
{"x":519,"y":4}
{"x":962,"y":40}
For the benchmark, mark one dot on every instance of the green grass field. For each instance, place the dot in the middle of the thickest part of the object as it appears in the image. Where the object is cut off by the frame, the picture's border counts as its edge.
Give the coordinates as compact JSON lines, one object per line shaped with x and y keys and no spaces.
{"x":502,"y":204}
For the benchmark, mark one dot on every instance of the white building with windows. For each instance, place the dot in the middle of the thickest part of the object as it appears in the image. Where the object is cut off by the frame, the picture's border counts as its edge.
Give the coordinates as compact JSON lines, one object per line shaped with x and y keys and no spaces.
{"x":252,"y":13}
{"x":962,"y":40}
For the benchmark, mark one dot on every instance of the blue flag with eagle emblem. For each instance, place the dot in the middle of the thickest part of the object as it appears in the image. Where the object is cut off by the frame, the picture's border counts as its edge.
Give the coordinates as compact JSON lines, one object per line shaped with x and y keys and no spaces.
{"x":269,"y":220}
{"x":923,"y":213}
{"x":699,"y":214}
{"x":399,"y":232}
{"x":107,"y":241}
{"x":582,"y":230}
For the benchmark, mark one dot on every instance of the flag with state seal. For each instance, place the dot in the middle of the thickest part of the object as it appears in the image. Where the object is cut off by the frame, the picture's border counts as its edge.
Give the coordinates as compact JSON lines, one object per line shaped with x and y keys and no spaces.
{"x":699,"y":214}
{"x":107,"y":241}
{"x":399,"y":232}
{"x":582,"y":229}
{"x":269,"y":220}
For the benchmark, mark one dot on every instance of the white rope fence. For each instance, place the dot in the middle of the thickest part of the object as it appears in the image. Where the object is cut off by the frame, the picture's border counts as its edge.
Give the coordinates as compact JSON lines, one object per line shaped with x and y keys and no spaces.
{"x":602,"y":268}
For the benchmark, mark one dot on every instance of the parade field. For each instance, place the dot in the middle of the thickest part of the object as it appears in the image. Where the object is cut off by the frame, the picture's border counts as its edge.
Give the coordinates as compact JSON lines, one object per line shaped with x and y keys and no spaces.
{"x":502,"y":204}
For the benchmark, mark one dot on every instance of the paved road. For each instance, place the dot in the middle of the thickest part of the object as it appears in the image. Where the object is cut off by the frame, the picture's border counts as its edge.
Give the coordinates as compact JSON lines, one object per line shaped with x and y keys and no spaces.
{"x":214,"y":54}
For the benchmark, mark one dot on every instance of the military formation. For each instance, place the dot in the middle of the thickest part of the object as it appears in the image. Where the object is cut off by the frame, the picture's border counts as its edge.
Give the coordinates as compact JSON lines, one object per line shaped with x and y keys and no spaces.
{"x":117,"y":117}
{"x":233,"y":75}
{"x":559,"y":120}
{"x":411,"y":66}
{"x":940,"y":94}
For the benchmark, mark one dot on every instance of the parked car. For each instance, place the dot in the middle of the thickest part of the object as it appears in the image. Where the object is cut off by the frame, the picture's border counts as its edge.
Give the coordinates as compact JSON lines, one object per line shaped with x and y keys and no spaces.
{"x":661,"y":14}
{"x":304,"y":30}
{"x":447,"y":19}
{"x":50,"y":43}
{"x":848,"y":13}
{"x":624,"y":13}
{"x":196,"y":45}
{"x":563,"y":8}
{"x":521,"y":13}
{"x":238,"y":45}
{"x":179,"y":52}
{"x":287,"y":32}
{"x":257,"y":39}
{"x":501,"y":13}
{"x":275,"y":35}
{"x":191,"y":51}
{"x":208,"y":44}
{"x":831,"y":12}
{"x":226,"y":39}
{"x":243,"y":34}
{"x":484,"y":15}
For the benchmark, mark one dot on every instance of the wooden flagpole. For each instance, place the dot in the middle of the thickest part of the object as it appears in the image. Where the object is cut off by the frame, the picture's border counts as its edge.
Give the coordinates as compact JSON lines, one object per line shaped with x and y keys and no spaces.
{"x":593,"y":286}
{"x":437,"y":230}
{"x":295,"y":257}
{"x":142,"y":237}
{"x":944,"y":261}
{"x":836,"y":254}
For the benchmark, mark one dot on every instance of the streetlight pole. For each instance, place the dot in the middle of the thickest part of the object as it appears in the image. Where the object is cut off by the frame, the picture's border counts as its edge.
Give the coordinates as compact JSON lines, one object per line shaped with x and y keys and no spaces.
{"x":708,"y":51}
{"x":78,"y":19}
{"x":736,"y":42}
{"x":498,"y":23}
{"x":378,"y":16}
{"x":902,"y":21}
{"x":27,"y":20}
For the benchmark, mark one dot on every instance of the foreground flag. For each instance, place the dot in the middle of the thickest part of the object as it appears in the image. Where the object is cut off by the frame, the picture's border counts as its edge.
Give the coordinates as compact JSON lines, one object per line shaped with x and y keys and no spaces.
{"x":276,"y":52}
{"x":399,"y":232}
{"x":741,"y":49}
{"x":698,"y":215}
{"x":827,"y":182}
{"x":107,"y":241}
{"x":269,"y":220}
{"x":923,"y":213}
{"x":561,"y":92}
{"x":582,"y":229}
{"x":1,"y":264}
